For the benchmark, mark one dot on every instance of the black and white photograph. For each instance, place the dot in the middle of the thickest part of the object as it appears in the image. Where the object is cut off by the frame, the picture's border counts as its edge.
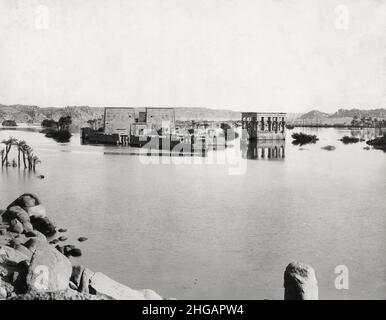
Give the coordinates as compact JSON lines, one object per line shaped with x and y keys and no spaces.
{"x":192,"y":150}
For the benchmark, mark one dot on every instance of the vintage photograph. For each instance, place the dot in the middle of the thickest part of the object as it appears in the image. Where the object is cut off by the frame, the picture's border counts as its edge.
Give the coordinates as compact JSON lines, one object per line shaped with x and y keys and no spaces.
{"x":193,"y":150}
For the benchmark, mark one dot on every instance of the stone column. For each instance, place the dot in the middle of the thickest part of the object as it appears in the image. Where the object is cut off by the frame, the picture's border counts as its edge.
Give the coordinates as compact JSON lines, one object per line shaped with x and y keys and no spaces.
{"x":300,"y":282}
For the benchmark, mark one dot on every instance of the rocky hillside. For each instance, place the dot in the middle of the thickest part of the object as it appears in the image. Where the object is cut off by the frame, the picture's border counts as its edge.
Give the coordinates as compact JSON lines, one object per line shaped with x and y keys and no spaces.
{"x":341,"y":117}
{"x":374,"y":113}
{"x":34,"y":114}
{"x":80,"y":114}
{"x":314,"y":114}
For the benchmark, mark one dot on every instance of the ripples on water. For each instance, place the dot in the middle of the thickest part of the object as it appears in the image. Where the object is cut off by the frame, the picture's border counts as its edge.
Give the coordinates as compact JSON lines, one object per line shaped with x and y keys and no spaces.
{"x":196,"y":231}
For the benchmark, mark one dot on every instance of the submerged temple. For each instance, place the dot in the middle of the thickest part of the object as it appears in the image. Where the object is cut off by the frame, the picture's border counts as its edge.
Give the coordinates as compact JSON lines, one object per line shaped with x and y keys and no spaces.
{"x":263,"y":126}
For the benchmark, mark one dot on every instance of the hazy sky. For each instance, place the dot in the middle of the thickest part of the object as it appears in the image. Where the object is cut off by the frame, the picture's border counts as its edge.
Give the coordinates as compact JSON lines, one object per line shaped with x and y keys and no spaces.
{"x":271,"y":55}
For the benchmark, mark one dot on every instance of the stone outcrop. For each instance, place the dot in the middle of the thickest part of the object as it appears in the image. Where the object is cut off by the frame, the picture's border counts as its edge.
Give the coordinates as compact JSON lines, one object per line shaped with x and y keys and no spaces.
{"x":43,"y":225}
{"x":105,"y":286}
{"x":300,"y":282}
{"x":48,"y":270}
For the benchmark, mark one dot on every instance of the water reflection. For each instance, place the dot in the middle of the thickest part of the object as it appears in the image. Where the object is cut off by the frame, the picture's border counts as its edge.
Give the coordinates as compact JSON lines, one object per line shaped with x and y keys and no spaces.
{"x":267,"y":149}
{"x":367,"y":133}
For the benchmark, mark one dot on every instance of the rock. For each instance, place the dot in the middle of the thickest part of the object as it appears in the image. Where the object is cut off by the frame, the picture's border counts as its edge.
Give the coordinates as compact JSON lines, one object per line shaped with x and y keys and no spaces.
{"x":60,"y":295}
{"x":18,"y":239}
{"x":151,"y":295}
{"x":27,"y":226}
{"x":11,"y":255}
{"x":16,"y":212}
{"x":62,"y":238}
{"x":75,"y":252}
{"x":34,"y":243}
{"x":49,"y":270}
{"x":328,"y":148}
{"x":60,"y":249}
{"x":24,"y":250}
{"x":105,"y":286}
{"x":76,"y":274}
{"x":37,"y":211}
{"x":36,"y":234}
{"x":300,"y":282}
{"x":16,"y":226}
{"x":85,"y":280}
{"x":55,"y":241}
{"x":3,"y":293}
{"x":81,"y":278}
{"x":43,"y":225}
{"x":26,"y":200}
{"x":62,"y":230}
{"x":81,"y":239}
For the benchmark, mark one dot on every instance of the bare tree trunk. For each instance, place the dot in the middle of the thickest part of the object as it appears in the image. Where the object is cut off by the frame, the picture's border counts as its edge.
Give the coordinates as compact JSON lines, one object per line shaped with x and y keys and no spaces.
{"x":7,"y":149}
{"x":25,"y":164}
{"x":18,"y":158}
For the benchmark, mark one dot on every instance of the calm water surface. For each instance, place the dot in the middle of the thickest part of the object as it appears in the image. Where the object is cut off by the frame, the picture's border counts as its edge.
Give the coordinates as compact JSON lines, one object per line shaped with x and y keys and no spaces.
{"x":195,"y":231}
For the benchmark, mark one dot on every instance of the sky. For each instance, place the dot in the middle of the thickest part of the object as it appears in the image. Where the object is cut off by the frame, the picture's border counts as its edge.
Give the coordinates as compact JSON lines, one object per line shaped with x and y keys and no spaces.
{"x":246,"y":55}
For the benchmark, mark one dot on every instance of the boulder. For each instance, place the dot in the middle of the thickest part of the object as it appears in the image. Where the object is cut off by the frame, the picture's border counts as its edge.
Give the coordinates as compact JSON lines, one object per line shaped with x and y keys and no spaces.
{"x":24,"y":250}
{"x":27,"y":226}
{"x":26,"y":200}
{"x":76,"y":274}
{"x":81,"y":239}
{"x":43,"y":225}
{"x":62,"y":238}
{"x":84,"y":285}
{"x":60,"y":249}
{"x":36,"y":234}
{"x":49,"y":270}
{"x":34,"y":243}
{"x":75,"y":252}
{"x":81,"y":278}
{"x":62,"y":230}
{"x":16,"y":226}
{"x":16,"y":212}
{"x":11,"y":255}
{"x":300,"y":282}
{"x":37,"y":211}
{"x":3,"y":293}
{"x":105,"y":286}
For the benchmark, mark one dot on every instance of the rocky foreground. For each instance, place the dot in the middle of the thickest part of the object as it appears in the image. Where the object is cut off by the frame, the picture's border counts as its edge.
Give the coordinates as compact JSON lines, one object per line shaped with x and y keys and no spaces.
{"x":32,"y":267}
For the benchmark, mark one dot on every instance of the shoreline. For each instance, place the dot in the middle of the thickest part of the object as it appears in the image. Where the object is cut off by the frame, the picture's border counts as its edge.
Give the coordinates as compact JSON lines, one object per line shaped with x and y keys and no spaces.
{"x":32,"y":267}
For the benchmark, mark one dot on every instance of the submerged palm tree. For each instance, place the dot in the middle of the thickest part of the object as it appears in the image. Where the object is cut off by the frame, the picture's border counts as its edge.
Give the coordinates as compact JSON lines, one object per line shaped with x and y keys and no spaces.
{"x":2,"y":153}
{"x":20,"y":144}
{"x":35,"y":161}
{"x":8,"y":145}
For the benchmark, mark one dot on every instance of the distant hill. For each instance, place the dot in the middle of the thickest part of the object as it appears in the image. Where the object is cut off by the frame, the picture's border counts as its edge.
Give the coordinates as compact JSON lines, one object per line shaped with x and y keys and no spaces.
{"x":35,"y":115}
{"x":342,"y":116}
{"x":80,"y":114}
{"x":314,"y":114}
{"x":374,"y":113}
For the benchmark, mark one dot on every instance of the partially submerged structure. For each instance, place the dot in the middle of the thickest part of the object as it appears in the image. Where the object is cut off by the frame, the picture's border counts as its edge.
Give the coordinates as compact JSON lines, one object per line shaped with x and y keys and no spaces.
{"x":263,"y":126}
{"x":131,"y":126}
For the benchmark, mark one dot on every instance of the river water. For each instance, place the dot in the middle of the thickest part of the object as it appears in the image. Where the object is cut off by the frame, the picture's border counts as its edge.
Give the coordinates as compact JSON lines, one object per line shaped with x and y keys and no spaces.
{"x":219,"y":229}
